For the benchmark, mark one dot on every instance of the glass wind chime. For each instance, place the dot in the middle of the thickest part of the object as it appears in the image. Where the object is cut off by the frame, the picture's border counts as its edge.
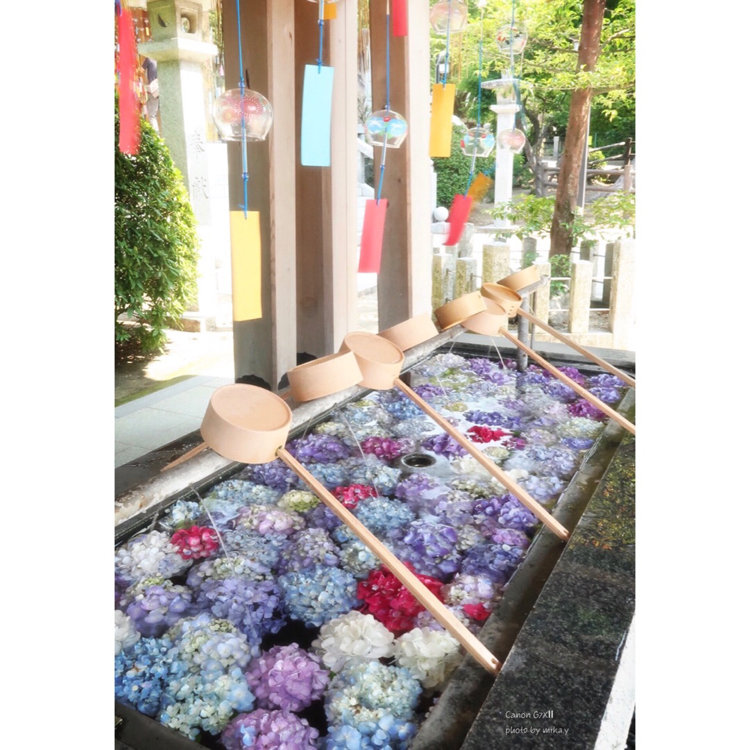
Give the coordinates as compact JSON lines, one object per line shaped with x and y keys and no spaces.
{"x":386,"y":129}
{"x":243,"y":115}
{"x":511,"y":39}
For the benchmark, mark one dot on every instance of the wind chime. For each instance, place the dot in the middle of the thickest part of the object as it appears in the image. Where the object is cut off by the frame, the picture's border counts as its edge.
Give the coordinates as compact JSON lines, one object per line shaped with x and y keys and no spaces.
{"x":387,"y":129}
{"x":243,"y":115}
{"x":127,"y":60}
{"x":511,"y":39}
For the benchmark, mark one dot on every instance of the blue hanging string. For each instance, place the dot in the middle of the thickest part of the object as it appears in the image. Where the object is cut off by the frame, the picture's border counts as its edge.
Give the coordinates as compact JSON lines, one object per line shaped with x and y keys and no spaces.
{"x":321,"y":24}
{"x":387,"y":93}
{"x":479,"y":102}
{"x":448,"y":43}
{"x":242,"y":114}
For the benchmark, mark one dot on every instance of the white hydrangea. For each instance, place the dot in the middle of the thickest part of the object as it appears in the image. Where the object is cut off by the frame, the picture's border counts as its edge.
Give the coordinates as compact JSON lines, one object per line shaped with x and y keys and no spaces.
{"x":430,"y":655}
{"x":125,"y":633}
{"x":150,"y":554}
{"x":352,"y":638}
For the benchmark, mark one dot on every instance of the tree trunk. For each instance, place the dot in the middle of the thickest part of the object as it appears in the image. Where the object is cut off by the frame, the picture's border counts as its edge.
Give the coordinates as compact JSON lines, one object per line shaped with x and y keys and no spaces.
{"x":561,"y":240}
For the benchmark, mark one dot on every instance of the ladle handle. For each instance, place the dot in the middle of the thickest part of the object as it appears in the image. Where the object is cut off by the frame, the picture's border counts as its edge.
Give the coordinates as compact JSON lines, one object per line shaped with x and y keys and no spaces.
{"x":582,"y":392}
{"x":538,"y":510}
{"x":581,"y":350}
{"x":186,"y":456}
{"x":420,"y":592}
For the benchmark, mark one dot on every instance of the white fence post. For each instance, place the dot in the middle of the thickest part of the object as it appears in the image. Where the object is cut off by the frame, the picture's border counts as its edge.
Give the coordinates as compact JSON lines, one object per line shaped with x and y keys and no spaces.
{"x":621,"y":306}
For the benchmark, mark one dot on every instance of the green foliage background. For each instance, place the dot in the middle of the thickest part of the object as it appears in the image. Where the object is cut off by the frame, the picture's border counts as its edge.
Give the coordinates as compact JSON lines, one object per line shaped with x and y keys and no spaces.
{"x":453,"y":171}
{"x":155,"y":245}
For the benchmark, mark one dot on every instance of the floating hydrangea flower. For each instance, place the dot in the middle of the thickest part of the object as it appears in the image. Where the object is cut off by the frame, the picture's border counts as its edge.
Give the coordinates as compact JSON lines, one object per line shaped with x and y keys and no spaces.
{"x":274,"y":474}
{"x":456,"y":406}
{"x":387,"y":448}
{"x":497,"y":561}
{"x":481,"y":434}
{"x":263,"y":549}
{"x":443,"y":445}
{"x":355,"y":557}
{"x":362,"y":694}
{"x":307,"y":548}
{"x":430,"y":392}
{"x":538,"y":437}
{"x":398,"y":405}
{"x":269,"y":520}
{"x":608,"y":395}
{"x":387,"y":732}
{"x":263,"y":729}
{"x":196,"y":542}
{"x":351,"y":494}
{"x":155,"y":608}
{"x":577,"y":443}
{"x":298,"y":501}
{"x":141,"y":673}
{"x":414,"y":486}
{"x":370,"y":471}
{"x":244,"y":492}
{"x":125,"y":632}
{"x":254,"y":607}
{"x":318,"y":594}
{"x":468,"y":536}
{"x":198,"y":702}
{"x":316,"y":448}
{"x":180,"y":515}
{"x":352,"y":638}
{"x":430,"y":655}
{"x":543,"y":488}
{"x":508,"y":422}
{"x":580,"y":427}
{"x":329,"y":475}
{"x":453,"y":508}
{"x":604,"y":380}
{"x":150,"y":554}
{"x":511,"y":537}
{"x":497,"y":453}
{"x":286,"y":677}
{"x":390,"y":602}
{"x":582,"y":408}
{"x":559,"y":390}
{"x":431,"y":548}
{"x":573,"y":373}
{"x":414,"y":429}
{"x":321,"y":516}
{"x":226,"y":567}
{"x":384,"y":516}
{"x":467,"y":588}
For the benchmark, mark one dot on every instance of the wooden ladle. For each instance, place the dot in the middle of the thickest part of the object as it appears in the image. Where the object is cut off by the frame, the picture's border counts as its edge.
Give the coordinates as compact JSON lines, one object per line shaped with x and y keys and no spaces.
{"x":493,"y":321}
{"x":380,"y":361}
{"x":250,"y":424}
{"x":509,"y":287}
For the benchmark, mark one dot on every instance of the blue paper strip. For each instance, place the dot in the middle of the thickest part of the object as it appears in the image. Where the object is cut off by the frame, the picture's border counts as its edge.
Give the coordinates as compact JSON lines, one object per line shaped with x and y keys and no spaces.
{"x":317,"y":94}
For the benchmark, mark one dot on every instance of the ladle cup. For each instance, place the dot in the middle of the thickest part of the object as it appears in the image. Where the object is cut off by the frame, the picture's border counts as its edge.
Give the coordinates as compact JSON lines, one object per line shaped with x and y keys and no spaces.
{"x":500,"y":292}
{"x":497,"y":314}
{"x":411,"y":332}
{"x":380,"y":361}
{"x":250,"y":424}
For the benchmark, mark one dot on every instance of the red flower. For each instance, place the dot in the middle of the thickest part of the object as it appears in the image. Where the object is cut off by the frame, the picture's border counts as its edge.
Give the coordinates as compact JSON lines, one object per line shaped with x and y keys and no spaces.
{"x":195,"y":542}
{"x":350,"y":495}
{"x":481,"y":434}
{"x":476,"y":611}
{"x":390,"y":602}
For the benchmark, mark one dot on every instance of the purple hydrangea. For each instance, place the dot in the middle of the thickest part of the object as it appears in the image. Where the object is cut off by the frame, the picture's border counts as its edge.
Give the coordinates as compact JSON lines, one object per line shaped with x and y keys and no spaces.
{"x":307,"y":548}
{"x":577,"y":443}
{"x":514,"y":515}
{"x":254,"y":607}
{"x":413,"y":486}
{"x":155,"y":608}
{"x":269,"y":520}
{"x":493,"y":419}
{"x":386,"y":448}
{"x":274,"y":474}
{"x":542,"y":488}
{"x":429,"y":392}
{"x":431,"y":548}
{"x":287,"y":677}
{"x":321,"y":516}
{"x":607,"y":395}
{"x":560,"y":390}
{"x":280,"y":730}
{"x":582,"y":408}
{"x":511,"y":537}
{"x":605,"y":380}
{"x":573,"y":373}
{"x":496,"y":561}
{"x":322,"y":449}
{"x":444,"y":445}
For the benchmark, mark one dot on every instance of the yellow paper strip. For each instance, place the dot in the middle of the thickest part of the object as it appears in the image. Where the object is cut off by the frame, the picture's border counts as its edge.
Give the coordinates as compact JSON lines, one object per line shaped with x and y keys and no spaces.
{"x":441,"y":126}
{"x":329,"y":11}
{"x":246,"y":266}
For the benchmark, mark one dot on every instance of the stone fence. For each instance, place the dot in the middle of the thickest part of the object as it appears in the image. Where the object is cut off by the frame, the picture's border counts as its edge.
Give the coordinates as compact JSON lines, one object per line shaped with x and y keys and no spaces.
{"x":598,"y":308}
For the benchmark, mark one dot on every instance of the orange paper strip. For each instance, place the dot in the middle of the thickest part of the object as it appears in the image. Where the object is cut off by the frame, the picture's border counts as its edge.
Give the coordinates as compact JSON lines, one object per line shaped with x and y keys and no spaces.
{"x":246,"y":265}
{"x":329,"y":11}
{"x":371,"y":245}
{"x":457,"y":216}
{"x":441,"y":126}
{"x":479,"y":186}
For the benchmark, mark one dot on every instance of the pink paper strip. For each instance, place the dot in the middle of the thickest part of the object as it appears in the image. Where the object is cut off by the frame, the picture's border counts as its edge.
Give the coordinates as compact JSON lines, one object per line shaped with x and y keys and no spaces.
{"x":130,"y":124}
{"x":371,"y":245}
{"x":457,"y":217}
{"x":400,"y":19}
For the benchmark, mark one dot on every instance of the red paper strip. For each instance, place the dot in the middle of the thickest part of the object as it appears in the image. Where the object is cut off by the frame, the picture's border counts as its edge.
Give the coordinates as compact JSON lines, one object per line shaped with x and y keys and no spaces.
{"x":371,"y":245}
{"x":460,"y":210}
{"x":400,"y":20}
{"x":130,"y":123}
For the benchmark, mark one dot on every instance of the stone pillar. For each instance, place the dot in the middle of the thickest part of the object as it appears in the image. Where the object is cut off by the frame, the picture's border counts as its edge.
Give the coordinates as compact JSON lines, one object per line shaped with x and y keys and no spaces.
{"x":443,"y":278}
{"x":529,"y":247}
{"x":580,"y":296}
{"x":495,"y":262}
{"x":179,"y":46}
{"x":465,"y":244}
{"x":622,"y":310}
{"x":466,"y":275}
{"x":541,"y":295}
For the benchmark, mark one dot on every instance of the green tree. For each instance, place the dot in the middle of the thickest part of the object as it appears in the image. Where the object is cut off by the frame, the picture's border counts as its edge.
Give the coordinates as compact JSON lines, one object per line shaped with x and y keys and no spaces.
{"x":155,"y":245}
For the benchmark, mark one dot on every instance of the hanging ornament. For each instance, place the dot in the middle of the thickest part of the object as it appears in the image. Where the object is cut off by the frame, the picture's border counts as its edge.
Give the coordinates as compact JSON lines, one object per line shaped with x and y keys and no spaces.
{"x":400,"y":18}
{"x":479,"y":141}
{"x":329,"y":11}
{"x":130,"y":124}
{"x":448,"y":15}
{"x":512,"y":38}
{"x":385,"y":128}
{"x":511,"y":139}
{"x":232,"y":105}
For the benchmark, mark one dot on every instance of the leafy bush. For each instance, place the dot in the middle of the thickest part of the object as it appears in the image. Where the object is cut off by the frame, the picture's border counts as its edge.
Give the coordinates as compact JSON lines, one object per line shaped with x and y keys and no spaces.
{"x":453,"y":171}
{"x":559,"y":266}
{"x":155,"y":245}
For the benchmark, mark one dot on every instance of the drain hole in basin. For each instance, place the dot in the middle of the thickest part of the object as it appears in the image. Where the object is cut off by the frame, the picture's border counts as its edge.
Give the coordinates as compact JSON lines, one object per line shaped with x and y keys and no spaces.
{"x":417,"y":460}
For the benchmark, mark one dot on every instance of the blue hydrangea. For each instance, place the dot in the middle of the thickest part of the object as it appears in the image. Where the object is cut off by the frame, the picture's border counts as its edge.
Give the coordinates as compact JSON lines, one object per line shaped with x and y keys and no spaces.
{"x":329,"y":475}
{"x":318,"y":594}
{"x":226,"y":567}
{"x":263,"y":549}
{"x":398,"y":405}
{"x":431,"y":548}
{"x":383,"y":516}
{"x":274,"y":474}
{"x":142,"y":672}
{"x":357,"y":559}
{"x":155,"y":608}
{"x":307,"y":548}
{"x":182,"y":514}
{"x":387,"y":733}
{"x":496,"y":561}
{"x":371,"y":471}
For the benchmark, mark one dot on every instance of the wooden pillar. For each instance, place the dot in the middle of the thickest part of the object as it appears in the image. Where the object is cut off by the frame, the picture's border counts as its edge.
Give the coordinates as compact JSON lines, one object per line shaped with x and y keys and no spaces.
{"x":326,"y":213}
{"x":266,"y":347}
{"x":404,"y":280}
